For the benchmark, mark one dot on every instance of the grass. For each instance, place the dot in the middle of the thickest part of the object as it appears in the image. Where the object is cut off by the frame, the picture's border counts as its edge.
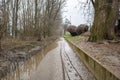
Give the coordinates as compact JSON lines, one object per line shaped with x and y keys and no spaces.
{"x":10,"y":43}
{"x":67,"y":36}
{"x":13,"y":43}
{"x":75,"y":39}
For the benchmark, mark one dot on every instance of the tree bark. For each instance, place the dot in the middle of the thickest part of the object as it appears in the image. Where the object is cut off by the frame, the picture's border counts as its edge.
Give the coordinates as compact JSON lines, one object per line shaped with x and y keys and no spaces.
{"x":106,"y":14}
{"x":16,"y":17}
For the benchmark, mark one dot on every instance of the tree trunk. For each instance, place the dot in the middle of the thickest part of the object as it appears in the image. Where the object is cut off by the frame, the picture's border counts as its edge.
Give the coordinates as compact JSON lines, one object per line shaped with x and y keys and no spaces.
{"x":36,"y":14}
{"x":0,"y":45}
{"x":16,"y":17}
{"x":106,"y":13}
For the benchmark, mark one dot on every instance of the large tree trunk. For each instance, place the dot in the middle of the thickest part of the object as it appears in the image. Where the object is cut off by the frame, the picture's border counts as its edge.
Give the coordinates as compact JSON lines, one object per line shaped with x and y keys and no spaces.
{"x":106,"y":13}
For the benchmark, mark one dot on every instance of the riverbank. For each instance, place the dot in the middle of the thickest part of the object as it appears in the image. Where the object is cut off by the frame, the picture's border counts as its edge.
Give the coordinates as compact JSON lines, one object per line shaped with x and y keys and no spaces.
{"x":102,"y":58}
{"x":19,"y":51}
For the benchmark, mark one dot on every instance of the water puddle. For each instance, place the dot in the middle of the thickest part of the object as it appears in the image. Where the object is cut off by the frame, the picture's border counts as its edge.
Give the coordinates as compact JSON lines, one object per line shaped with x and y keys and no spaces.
{"x":25,"y":69}
{"x":74,"y":67}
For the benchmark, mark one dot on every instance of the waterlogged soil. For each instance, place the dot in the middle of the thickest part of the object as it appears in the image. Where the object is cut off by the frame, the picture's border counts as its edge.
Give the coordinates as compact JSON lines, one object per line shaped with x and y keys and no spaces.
{"x":56,"y":62}
{"x":26,"y":69}
{"x":107,"y":53}
{"x":10,"y":59}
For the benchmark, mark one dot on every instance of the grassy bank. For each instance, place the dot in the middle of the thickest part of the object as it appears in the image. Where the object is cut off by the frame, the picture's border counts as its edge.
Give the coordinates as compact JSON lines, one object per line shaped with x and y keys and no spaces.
{"x":75,"y":39}
{"x":9,"y":43}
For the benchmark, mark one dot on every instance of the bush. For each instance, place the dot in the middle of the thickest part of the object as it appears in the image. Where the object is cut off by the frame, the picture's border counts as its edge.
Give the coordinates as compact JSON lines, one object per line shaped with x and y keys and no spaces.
{"x":72,"y":30}
{"x":81,"y":29}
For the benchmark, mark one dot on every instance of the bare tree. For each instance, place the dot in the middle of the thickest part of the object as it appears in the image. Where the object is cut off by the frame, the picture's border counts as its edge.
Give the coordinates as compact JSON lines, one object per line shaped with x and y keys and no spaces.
{"x":35,"y":19}
{"x":4,"y":19}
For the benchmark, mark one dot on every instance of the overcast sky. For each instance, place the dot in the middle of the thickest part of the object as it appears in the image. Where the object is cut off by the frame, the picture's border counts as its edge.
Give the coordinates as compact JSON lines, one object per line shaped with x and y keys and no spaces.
{"x":74,"y":12}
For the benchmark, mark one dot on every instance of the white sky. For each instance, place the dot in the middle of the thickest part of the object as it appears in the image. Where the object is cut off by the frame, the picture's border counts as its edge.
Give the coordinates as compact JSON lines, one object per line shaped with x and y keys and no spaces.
{"x":74,"y":11}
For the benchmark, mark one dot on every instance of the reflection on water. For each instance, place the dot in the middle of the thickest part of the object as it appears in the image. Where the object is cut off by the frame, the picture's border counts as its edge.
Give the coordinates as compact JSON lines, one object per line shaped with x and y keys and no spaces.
{"x":28,"y":67}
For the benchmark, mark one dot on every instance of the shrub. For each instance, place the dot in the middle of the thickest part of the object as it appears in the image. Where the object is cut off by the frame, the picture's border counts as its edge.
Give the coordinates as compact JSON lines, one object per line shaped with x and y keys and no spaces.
{"x":72,"y":30}
{"x":81,"y":29}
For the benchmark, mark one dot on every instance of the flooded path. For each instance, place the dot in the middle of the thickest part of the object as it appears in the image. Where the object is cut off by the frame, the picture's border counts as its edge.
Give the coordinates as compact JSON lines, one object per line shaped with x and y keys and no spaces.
{"x":56,"y":62}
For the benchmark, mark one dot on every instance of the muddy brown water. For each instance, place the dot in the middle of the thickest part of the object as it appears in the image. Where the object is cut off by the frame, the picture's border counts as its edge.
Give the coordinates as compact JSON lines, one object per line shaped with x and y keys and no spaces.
{"x":56,"y":62}
{"x":26,"y":68}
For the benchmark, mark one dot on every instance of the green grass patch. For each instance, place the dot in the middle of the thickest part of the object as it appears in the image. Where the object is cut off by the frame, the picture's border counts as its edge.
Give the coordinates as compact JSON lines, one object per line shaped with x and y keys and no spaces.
{"x":66,"y":36}
{"x":75,"y":39}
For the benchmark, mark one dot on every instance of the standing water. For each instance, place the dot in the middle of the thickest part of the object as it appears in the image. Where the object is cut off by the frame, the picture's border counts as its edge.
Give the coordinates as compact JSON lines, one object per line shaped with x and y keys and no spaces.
{"x":56,"y":62}
{"x":25,"y":69}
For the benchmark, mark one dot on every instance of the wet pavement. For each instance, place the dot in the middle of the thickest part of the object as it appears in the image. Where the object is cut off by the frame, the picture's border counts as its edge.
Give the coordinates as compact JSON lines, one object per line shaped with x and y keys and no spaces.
{"x":73,"y":66}
{"x":56,"y":62}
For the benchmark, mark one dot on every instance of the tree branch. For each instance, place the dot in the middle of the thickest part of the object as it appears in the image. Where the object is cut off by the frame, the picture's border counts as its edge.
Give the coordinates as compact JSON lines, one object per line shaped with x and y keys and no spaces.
{"x":93,"y":3}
